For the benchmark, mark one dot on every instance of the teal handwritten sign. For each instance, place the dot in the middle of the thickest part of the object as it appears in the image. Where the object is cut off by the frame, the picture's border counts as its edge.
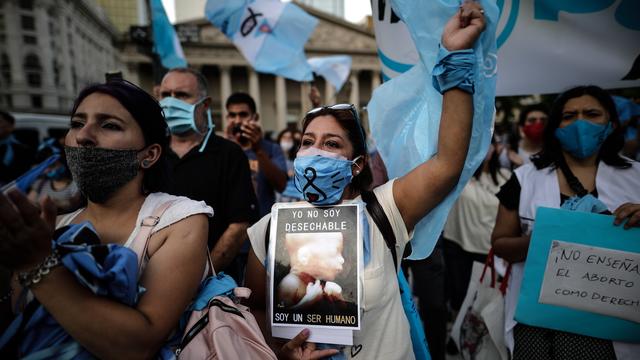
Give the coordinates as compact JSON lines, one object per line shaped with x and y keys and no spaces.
{"x":582,"y":276}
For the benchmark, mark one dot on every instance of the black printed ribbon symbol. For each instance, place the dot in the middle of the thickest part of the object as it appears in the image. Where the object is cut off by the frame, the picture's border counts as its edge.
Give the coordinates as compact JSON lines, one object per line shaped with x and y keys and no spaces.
{"x":249,"y":23}
{"x":310,"y":179}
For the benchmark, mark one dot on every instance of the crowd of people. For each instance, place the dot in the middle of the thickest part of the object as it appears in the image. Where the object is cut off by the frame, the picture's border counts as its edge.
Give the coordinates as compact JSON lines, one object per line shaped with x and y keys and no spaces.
{"x":128,"y":153}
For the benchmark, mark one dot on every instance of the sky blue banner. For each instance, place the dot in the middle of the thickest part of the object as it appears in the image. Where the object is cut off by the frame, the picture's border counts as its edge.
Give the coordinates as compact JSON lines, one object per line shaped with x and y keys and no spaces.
{"x":545,"y":46}
{"x":166,"y":42}
{"x":269,"y":33}
{"x":555,"y":226}
{"x":404,"y":113}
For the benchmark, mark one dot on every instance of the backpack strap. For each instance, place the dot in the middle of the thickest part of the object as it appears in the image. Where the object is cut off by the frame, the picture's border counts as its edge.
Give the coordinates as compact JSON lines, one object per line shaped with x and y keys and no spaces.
{"x":382,"y":222}
{"x":141,"y":241}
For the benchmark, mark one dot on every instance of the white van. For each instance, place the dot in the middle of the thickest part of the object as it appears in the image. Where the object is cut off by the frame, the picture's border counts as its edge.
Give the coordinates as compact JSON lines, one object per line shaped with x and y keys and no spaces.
{"x":31,"y":128}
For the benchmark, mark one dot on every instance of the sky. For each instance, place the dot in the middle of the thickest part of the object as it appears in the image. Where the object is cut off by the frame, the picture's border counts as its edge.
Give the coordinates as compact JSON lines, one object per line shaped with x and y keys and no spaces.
{"x":355,"y":10}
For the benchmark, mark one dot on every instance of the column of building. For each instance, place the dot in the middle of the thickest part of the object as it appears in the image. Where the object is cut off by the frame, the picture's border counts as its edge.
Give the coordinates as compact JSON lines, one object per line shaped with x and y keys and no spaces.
{"x":225,"y":90}
{"x":281,"y":103}
{"x":66,"y":69}
{"x":354,"y":97}
{"x":254,"y":87}
{"x":41,"y":12}
{"x":18,"y":89}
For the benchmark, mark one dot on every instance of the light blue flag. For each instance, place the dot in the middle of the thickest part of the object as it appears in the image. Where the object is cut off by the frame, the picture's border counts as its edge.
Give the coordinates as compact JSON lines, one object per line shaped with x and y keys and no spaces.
{"x":404,"y":112}
{"x":269,"y":33}
{"x":166,"y":42}
{"x":24,"y":181}
{"x":335,"y":69}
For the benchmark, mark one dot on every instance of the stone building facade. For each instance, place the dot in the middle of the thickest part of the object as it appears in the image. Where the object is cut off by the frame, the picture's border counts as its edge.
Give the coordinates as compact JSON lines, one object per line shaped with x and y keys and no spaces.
{"x":49,"y":50}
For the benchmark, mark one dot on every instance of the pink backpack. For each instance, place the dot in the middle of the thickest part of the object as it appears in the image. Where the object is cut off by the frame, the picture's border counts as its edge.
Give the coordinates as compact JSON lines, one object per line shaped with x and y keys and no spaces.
{"x":226,"y":331}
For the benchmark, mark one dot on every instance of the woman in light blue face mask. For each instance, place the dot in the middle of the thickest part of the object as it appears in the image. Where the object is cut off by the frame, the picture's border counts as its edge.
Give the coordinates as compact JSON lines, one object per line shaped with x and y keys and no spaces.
{"x":331,"y":167}
{"x":579,"y":168}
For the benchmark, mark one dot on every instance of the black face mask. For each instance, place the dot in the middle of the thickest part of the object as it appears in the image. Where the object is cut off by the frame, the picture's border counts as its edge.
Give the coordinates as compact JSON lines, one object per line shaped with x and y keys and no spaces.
{"x":101,"y":172}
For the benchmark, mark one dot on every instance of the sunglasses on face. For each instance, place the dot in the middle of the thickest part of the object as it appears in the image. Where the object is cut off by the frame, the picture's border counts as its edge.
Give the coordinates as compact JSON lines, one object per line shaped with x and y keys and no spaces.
{"x":342,"y":107}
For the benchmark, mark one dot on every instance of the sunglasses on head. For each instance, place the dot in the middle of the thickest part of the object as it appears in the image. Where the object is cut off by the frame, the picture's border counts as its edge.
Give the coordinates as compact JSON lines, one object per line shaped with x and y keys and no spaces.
{"x":351,"y":108}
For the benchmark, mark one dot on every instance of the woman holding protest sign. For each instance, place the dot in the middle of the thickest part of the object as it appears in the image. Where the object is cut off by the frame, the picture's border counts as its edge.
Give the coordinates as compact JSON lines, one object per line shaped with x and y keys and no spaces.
{"x":334,"y":142}
{"x":82,"y":298}
{"x":579,"y":168}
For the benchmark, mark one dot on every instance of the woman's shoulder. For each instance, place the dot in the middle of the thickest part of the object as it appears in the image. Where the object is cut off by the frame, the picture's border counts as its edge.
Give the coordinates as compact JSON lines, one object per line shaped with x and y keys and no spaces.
{"x":180,"y":208}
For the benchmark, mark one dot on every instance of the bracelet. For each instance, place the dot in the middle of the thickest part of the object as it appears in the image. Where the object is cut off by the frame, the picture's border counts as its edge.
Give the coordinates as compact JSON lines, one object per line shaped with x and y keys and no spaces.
{"x":454,"y":69}
{"x":32,"y":277}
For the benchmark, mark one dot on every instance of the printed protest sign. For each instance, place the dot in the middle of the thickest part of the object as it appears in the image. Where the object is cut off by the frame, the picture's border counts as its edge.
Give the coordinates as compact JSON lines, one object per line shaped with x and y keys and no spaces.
{"x":314,"y":270}
{"x":593,"y":279}
{"x":581,"y":276}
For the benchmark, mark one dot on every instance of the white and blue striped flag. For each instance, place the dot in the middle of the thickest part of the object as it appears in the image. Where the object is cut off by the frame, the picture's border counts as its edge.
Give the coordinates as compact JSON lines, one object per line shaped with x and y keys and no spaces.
{"x":166,"y":42}
{"x":269,"y":33}
{"x":335,"y":69}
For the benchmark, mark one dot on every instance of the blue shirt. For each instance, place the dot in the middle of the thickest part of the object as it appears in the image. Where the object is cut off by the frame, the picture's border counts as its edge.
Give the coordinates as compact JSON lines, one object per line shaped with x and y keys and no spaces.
{"x":265,"y":193}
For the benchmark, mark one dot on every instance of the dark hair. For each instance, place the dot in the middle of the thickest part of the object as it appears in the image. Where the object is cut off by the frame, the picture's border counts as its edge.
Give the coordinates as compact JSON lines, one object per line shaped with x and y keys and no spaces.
{"x":241,"y":98}
{"x":291,"y":154}
{"x":7,"y":117}
{"x":494,"y":165}
{"x":355,"y":133}
{"x":514,"y":139}
{"x":203,"y":86}
{"x":551,"y":152}
{"x":529,"y":109}
{"x":148,"y":114}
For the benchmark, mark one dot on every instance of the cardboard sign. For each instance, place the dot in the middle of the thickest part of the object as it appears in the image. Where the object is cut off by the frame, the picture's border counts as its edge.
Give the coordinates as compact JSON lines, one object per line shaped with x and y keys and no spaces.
{"x":315,"y":268}
{"x":581,"y":276}
{"x":593,"y":279}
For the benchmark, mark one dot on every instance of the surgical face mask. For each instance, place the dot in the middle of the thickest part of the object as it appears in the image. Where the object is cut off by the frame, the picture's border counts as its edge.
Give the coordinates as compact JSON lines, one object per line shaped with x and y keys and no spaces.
{"x":99,"y":172}
{"x":321,"y":176}
{"x":180,"y":117}
{"x":534,"y":131}
{"x":583,"y":138}
{"x":286,"y":145}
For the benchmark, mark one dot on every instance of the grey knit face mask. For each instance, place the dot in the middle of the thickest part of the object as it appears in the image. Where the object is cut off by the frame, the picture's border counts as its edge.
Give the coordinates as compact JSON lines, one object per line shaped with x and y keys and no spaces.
{"x":101,"y":172}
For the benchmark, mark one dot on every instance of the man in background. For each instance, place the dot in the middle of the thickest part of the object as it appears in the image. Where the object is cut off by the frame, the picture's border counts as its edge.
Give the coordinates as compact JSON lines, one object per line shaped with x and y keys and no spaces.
{"x":206,"y":167}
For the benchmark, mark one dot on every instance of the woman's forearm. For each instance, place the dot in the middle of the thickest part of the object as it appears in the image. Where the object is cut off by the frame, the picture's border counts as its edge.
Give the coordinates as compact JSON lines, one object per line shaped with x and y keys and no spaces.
{"x":104,"y":327}
{"x":512,"y":249}
{"x":455,"y":129}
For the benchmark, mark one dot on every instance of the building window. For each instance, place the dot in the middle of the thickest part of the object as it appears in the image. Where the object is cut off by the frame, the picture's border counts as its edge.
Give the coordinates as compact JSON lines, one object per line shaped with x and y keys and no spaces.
{"x":28,"y":22}
{"x":8,"y":100}
{"x":26,"y":4}
{"x":33,"y":70}
{"x":36,"y":101}
{"x":56,"y":72}
{"x":5,"y":69}
{"x":29,"y":39}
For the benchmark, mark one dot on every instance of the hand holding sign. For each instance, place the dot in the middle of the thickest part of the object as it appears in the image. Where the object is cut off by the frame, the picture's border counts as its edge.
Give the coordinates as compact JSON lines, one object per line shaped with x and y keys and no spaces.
{"x":628,"y":211}
{"x":298,"y":349}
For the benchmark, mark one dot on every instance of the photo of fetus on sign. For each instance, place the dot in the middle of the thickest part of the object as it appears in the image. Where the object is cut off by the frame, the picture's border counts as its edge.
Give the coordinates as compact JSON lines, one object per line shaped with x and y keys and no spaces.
{"x":315,"y":274}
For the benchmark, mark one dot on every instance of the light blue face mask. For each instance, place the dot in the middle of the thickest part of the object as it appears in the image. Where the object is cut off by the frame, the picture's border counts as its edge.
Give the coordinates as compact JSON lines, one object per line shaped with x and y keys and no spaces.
{"x":582,"y":138}
{"x":321,"y":176}
{"x":180,"y":117}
